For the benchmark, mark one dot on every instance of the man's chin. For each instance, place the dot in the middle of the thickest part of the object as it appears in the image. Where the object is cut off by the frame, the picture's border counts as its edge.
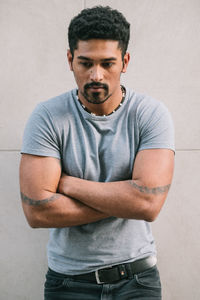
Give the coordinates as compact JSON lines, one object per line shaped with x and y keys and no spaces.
{"x":96,"y":98}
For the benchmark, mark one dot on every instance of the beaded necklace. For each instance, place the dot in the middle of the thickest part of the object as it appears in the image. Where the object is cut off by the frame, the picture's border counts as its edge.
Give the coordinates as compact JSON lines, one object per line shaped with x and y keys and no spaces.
{"x":86,"y":109}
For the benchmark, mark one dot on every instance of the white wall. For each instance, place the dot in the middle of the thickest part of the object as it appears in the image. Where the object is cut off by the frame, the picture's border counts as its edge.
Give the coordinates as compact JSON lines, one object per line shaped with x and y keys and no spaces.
{"x":164,"y":47}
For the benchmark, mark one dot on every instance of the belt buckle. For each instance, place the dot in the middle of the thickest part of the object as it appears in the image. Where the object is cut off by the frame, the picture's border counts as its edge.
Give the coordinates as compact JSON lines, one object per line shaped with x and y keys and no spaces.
{"x":97,"y":277}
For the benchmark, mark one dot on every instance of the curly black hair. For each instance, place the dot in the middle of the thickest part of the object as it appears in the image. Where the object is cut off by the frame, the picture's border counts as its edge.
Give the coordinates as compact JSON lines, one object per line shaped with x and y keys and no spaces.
{"x":99,"y":23}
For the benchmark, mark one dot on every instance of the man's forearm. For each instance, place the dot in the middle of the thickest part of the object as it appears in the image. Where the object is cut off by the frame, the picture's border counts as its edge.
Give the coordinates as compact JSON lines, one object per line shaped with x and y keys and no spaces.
{"x":57,"y":210}
{"x":124,"y":199}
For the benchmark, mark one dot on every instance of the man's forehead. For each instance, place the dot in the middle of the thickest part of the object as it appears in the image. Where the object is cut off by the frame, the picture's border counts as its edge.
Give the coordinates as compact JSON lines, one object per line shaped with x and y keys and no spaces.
{"x":96,"y":47}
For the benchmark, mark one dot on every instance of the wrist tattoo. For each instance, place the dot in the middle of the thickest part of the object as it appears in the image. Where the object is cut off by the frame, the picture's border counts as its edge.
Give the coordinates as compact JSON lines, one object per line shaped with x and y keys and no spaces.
{"x":146,"y":190}
{"x":34,"y":202}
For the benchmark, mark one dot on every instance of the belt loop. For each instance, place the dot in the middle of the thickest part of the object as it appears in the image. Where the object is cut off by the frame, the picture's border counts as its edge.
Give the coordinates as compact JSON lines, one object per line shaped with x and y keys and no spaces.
{"x":129,"y":271}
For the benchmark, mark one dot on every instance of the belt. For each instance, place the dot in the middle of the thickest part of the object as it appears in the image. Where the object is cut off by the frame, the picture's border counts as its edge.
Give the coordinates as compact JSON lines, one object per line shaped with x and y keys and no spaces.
{"x":117,"y":272}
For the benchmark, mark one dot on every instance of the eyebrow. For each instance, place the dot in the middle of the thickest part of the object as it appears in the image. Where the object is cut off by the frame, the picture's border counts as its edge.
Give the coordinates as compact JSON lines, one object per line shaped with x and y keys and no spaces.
{"x":89,"y":59}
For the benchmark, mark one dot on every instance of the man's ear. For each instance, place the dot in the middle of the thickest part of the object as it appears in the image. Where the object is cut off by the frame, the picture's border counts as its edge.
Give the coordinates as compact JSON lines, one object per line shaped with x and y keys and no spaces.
{"x":70,"y":59}
{"x":125,"y":62}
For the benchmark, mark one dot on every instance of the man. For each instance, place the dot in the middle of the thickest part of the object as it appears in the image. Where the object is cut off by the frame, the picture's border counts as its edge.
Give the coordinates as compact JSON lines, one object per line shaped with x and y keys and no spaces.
{"x":96,"y":166}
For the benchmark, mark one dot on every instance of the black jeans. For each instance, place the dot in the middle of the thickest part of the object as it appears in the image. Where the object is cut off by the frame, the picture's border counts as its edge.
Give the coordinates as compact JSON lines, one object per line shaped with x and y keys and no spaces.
{"x":144,"y":286}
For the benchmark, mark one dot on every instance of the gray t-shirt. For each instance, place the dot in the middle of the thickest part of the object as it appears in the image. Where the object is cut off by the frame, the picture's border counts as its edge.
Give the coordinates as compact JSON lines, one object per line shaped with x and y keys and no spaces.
{"x":98,"y":148}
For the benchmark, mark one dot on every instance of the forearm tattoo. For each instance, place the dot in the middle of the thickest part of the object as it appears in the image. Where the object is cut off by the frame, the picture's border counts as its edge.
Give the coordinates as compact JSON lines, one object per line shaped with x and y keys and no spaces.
{"x":33,"y":202}
{"x":146,"y":190}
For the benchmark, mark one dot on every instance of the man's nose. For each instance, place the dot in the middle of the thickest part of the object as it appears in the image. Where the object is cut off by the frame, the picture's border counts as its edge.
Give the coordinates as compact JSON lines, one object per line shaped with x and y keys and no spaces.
{"x":96,"y":74}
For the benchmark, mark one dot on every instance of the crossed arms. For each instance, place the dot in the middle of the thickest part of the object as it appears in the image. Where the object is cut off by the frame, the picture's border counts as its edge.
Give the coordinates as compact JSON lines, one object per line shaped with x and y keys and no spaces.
{"x":53,"y":199}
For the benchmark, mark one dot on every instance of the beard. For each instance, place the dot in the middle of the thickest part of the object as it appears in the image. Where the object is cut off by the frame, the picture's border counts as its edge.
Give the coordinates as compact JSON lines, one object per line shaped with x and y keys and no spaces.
{"x":97,"y":97}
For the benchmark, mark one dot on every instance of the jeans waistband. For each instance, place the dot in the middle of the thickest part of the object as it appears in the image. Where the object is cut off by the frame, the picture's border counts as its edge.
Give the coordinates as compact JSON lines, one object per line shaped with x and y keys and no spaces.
{"x":116,"y":272}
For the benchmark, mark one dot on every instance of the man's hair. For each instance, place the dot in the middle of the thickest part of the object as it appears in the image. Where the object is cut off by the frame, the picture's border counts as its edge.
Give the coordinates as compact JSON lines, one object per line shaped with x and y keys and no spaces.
{"x":99,"y":23}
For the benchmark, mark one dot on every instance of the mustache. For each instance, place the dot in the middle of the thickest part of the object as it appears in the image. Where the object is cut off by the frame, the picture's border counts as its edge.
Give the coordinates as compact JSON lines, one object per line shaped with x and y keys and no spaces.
{"x":96,"y":84}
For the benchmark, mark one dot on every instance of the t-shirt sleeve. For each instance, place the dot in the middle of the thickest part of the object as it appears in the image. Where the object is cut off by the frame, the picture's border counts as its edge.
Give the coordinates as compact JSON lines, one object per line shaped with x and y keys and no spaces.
{"x":156,"y":126}
{"x":40,"y":134}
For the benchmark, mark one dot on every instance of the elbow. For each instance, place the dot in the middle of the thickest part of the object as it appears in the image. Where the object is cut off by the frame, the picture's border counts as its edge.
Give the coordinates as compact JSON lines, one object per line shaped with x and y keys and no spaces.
{"x":148,"y":214}
{"x":33,"y":219}
{"x":33,"y":223}
{"x":151,"y":211}
{"x":152,"y":207}
{"x":150,"y":217}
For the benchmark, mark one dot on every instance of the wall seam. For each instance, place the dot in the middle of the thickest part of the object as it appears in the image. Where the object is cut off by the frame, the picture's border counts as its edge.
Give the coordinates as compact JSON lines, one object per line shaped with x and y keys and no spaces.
{"x":10,"y":150}
{"x":187,"y":150}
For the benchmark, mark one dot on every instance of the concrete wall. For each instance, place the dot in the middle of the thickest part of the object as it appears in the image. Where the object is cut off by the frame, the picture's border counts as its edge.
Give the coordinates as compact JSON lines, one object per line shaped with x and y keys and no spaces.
{"x":165,"y":47}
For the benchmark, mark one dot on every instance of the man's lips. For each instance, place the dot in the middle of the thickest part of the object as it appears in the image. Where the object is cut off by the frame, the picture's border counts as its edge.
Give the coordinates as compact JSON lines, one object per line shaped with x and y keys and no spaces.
{"x":96,"y":88}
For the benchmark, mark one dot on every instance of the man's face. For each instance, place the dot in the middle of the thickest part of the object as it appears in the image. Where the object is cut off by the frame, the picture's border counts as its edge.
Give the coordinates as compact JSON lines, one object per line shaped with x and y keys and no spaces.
{"x":97,"y":66}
